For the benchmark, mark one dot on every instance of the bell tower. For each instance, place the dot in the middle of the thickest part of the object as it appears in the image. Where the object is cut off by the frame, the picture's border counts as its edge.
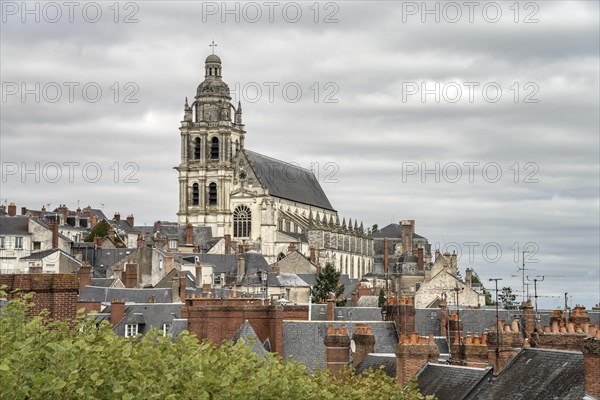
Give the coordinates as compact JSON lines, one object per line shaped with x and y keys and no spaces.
{"x":211,"y":134}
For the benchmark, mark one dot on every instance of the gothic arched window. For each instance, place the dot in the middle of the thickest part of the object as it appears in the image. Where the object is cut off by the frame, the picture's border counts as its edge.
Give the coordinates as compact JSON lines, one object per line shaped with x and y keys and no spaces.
{"x":242,"y":221}
{"x":195,"y":195}
{"x":214,"y":149}
{"x":212,"y":194}
{"x":197,"y":148}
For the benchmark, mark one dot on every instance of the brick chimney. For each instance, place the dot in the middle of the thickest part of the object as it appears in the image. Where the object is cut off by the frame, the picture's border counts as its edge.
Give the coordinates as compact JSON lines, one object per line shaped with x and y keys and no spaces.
{"x":189,"y":234}
{"x":227,"y":244}
{"x":443,"y":321}
{"x":330,"y":308}
{"x":157,"y":226}
{"x":169,"y":263}
{"x":473,"y":352}
{"x":23,"y":210}
{"x":117,"y":312}
{"x":131,"y":275}
{"x":182,"y":285}
{"x":529,"y":323}
{"x":337,"y":349}
{"x":117,"y":217}
{"x":511,"y":342}
{"x":591,"y":365}
{"x":291,"y":247}
{"x":94,"y":221}
{"x":198,"y":275}
{"x":412,"y":353}
{"x":12,"y":209}
{"x":408,"y":229}
{"x":385,"y":255}
{"x":364,"y":340}
{"x":111,"y":234}
{"x":54,"y":227}
{"x":468,"y":277}
{"x":455,"y":327}
{"x":86,"y":212}
{"x":402,"y":311}
{"x":85,"y":276}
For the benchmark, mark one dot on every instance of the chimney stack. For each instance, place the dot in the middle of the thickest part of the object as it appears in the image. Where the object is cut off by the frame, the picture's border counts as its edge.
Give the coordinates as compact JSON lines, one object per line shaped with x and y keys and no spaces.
{"x":130,"y":220}
{"x":111,"y":234}
{"x":420,"y":263}
{"x":198,"y":274}
{"x":291,"y":247}
{"x":131,"y":275}
{"x":527,"y":308}
{"x":94,"y":221}
{"x":228,"y":244}
{"x":312,"y":257}
{"x":364,"y":340}
{"x":117,"y":217}
{"x":169,"y":263}
{"x":443,"y":320}
{"x":23,"y":210}
{"x":468,"y":277}
{"x":189,"y":234}
{"x":85,"y":276}
{"x":54,"y":227}
{"x":12,"y":209}
{"x":412,"y":353}
{"x":330,"y":308}
{"x":157,"y":226}
{"x":337,"y":349}
{"x":182,"y":285}
{"x":140,"y":240}
{"x":408,"y":229}
{"x":241,"y":264}
{"x":591,"y":365}
{"x":385,"y":255}
{"x":117,"y":312}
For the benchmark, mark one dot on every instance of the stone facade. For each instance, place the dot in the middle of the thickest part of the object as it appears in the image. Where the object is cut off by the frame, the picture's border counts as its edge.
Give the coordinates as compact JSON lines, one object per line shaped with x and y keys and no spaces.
{"x":263,"y":203}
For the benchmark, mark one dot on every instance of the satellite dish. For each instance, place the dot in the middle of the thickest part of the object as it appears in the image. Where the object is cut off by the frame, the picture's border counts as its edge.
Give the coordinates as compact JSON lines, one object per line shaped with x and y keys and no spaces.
{"x":353,"y":346}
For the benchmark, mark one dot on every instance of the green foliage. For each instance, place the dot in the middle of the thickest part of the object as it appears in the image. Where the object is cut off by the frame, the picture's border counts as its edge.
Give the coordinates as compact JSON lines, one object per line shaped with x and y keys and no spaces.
{"x":44,"y":359}
{"x":101,"y":230}
{"x":381,"y":298}
{"x":327,"y":283}
{"x":506,"y":298}
{"x":374,"y":228}
{"x":488,"y":299}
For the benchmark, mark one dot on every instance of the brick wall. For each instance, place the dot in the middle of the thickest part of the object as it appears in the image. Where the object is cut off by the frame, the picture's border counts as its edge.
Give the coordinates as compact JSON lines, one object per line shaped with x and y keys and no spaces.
{"x":219,"y":320}
{"x":591,"y":360}
{"x":55,"y":292}
{"x":412,"y":353}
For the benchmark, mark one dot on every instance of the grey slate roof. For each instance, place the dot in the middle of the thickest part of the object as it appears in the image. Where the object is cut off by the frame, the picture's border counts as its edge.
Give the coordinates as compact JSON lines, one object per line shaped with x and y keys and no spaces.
{"x":319,"y":313}
{"x":103,"y":282}
{"x":378,"y":360}
{"x":450,"y":382}
{"x":247,"y":334}
{"x":17,"y":225}
{"x":349,"y":284}
{"x":288,"y":181}
{"x":222,"y":263}
{"x":105,"y":294}
{"x":38,"y":255}
{"x":392,"y":230}
{"x":147,"y":316}
{"x":303,"y":340}
{"x":538,"y":374}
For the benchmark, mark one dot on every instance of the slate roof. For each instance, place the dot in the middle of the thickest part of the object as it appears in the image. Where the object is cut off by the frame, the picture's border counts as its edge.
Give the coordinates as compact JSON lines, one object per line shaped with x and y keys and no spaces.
{"x":247,"y":334}
{"x":288,"y":181}
{"x":147,"y":316}
{"x":40,"y":254}
{"x":319,"y":313}
{"x":222,"y":263}
{"x":451,"y":382}
{"x":538,"y":374}
{"x":392,"y":231}
{"x":105,"y":294}
{"x":171,"y":230}
{"x":303,"y":340}
{"x":349,"y":284}
{"x":17,"y":225}
{"x":378,"y":360}
{"x":103,"y":282}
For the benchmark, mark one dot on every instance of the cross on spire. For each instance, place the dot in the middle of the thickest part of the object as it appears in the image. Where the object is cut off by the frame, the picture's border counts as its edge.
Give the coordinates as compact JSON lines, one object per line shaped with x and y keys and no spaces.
{"x":213,"y":45}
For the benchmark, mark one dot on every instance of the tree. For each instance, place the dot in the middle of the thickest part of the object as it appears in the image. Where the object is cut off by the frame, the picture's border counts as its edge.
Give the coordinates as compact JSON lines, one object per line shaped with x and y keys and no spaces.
{"x":381,"y":299}
{"x":327,"y":283}
{"x":45,"y":359}
{"x":101,"y":230}
{"x":507,"y":298}
{"x":374,"y":228}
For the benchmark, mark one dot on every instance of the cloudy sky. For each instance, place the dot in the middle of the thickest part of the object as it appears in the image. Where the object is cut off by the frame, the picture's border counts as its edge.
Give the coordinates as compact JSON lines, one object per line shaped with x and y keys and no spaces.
{"x":478,"y":120}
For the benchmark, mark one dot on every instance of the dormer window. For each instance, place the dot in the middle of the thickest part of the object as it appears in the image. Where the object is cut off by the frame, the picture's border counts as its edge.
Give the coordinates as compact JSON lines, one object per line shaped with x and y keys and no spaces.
{"x":131,"y":330}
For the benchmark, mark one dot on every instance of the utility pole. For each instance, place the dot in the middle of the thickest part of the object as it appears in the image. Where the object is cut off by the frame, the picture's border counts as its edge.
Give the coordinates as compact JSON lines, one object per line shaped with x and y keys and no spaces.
{"x":566,"y":309}
{"x":497,"y":323}
{"x":458,"y":290}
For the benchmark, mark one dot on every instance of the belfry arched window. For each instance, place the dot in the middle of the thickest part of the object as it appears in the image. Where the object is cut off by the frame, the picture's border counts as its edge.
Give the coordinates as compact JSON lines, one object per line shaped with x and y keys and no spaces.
{"x":214,"y":148}
{"x":195,"y":195}
{"x":242,"y":221}
{"x":197,"y":148}
{"x":212,"y":194}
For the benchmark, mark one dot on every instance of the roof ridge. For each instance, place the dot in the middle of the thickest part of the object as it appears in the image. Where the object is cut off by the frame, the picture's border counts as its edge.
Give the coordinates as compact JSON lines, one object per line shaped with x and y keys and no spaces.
{"x":281,"y":161}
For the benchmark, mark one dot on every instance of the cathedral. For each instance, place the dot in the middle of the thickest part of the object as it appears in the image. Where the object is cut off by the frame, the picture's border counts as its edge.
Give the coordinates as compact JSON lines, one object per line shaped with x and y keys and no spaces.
{"x":265,"y":204}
